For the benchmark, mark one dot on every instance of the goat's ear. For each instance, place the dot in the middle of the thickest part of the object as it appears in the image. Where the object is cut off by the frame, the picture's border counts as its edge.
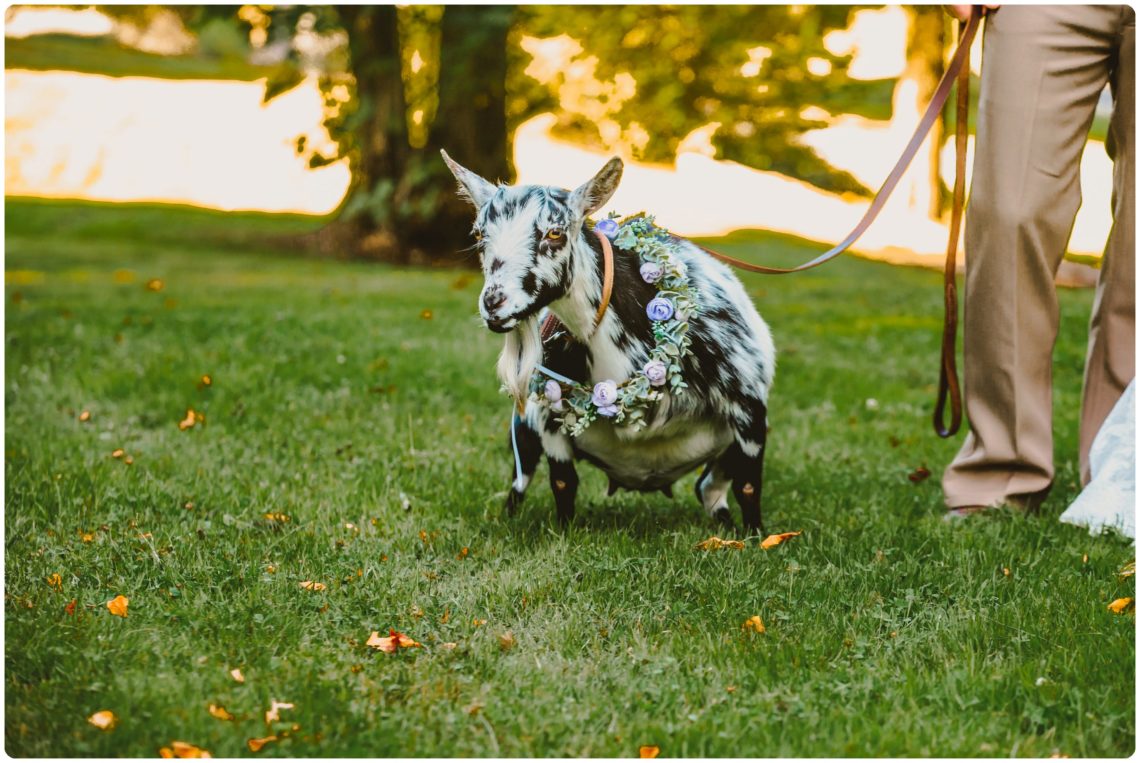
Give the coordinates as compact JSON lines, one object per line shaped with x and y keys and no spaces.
{"x":471,"y":187}
{"x":591,"y":195}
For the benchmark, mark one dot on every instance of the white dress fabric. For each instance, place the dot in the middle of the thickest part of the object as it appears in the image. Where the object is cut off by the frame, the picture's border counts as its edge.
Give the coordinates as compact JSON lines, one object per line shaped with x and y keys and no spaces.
{"x":1109,"y":500}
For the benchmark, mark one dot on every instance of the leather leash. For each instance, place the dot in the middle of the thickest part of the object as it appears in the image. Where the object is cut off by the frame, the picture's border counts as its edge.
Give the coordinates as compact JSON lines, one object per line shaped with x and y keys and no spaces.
{"x":959,"y":70}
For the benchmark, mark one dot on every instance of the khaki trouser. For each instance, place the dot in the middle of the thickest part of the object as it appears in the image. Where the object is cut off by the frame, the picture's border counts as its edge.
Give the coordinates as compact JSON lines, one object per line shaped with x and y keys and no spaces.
{"x":1043,"y":69}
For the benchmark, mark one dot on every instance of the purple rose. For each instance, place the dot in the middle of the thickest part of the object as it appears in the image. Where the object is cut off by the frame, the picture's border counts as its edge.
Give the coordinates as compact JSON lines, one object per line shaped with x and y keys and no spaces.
{"x":651,"y":272}
{"x":608,"y":410}
{"x":655,"y":372}
{"x":605,"y":394}
{"x":553,"y":391}
{"x":607,"y":228}
{"x":659,"y":309}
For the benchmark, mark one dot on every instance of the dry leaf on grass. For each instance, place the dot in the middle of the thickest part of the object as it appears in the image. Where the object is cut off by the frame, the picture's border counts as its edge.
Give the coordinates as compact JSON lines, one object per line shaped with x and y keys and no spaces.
{"x":1122,"y":605}
{"x":273,"y":713}
{"x":183,"y":750}
{"x":507,"y":641}
{"x":256,"y":744}
{"x":392,"y":642}
{"x":777,"y":539}
{"x":1128,"y":570}
{"x":85,"y":416}
{"x":70,"y":608}
{"x":104,"y":719}
{"x":192,"y":417}
{"x":309,"y":585}
{"x":648,"y":751}
{"x":236,"y":674}
{"x":754,"y":623}
{"x":118,"y":605}
{"x":714,"y":543}
{"x":220,"y":713}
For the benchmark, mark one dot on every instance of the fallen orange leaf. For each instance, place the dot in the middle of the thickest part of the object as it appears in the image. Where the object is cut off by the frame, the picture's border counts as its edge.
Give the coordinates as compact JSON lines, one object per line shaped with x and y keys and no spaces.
{"x":118,"y":605}
{"x":220,"y":713}
{"x":70,"y":608}
{"x":237,"y":675}
{"x":507,"y":641}
{"x":390,"y":643}
{"x":87,"y":537}
{"x":754,"y":623}
{"x":714,"y":543}
{"x":192,"y":417}
{"x":256,"y":744}
{"x":117,"y":453}
{"x":1121,"y":605}
{"x":777,"y":539}
{"x":648,"y":751}
{"x":104,"y":719}
{"x":55,"y":581}
{"x":309,"y":585}
{"x":85,"y":416}
{"x":183,"y":750}
{"x":272,"y":714}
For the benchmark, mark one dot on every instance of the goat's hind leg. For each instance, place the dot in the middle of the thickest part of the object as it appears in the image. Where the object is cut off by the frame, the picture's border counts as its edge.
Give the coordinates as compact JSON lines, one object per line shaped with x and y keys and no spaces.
{"x":712,"y":493}
{"x":743,"y":463}
{"x":528,"y":445}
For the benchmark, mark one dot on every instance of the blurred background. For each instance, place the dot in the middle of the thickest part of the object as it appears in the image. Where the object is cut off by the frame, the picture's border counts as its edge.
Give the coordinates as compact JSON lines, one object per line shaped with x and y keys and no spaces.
{"x":781,"y":118}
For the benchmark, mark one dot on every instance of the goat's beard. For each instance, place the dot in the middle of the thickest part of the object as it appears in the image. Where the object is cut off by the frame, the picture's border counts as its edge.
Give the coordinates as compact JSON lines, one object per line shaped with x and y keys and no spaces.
{"x":522,"y":351}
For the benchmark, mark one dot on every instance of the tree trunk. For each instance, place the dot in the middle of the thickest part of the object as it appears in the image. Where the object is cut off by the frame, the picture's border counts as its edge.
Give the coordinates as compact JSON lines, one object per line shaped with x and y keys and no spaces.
{"x":471,"y":120}
{"x":401,"y":206}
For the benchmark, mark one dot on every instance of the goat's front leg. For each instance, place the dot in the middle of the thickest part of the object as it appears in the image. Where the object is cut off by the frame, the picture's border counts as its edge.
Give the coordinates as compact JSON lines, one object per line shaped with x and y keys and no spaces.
{"x":743,"y":463}
{"x":563,"y":476}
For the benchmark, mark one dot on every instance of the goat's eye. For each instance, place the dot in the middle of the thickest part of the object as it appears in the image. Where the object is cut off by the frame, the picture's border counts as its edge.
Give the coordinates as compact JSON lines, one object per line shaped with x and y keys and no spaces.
{"x":554,"y":234}
{"x":478,"y":234}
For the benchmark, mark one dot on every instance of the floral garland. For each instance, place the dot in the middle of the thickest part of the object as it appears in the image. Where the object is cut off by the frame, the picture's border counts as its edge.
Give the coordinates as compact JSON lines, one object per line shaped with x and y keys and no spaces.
{"x":677,"y":301}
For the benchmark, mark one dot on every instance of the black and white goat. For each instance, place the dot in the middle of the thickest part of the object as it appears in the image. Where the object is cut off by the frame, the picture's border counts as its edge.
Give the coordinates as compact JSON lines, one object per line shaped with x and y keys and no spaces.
{"x":537,"y":252}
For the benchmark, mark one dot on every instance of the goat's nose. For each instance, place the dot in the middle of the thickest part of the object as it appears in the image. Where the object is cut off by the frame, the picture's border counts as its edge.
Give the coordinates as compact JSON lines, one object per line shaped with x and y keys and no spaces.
{"x":494,"y":298}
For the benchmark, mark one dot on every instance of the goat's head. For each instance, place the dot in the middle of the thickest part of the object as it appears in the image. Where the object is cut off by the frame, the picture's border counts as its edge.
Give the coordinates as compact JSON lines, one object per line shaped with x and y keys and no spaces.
{"x":525,"y":235}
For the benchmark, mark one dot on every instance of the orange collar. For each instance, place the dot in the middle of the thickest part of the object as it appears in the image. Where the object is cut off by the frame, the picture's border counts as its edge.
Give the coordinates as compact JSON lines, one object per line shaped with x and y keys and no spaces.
{"x":607,"y":277}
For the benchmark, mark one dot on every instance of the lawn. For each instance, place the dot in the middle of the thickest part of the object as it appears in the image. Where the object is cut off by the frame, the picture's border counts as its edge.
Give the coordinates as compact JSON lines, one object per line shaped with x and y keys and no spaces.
{"x":356,"y":405}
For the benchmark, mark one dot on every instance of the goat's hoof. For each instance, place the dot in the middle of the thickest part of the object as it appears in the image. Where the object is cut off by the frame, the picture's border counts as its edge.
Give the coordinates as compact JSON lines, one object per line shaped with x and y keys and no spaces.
{"x":724,"y":517}
{"x":514,"y":500}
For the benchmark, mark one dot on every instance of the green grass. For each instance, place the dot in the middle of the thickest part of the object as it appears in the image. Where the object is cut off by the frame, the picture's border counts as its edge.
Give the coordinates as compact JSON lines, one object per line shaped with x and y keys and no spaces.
{"x":105,"y":55}
{"x":335,"y":402}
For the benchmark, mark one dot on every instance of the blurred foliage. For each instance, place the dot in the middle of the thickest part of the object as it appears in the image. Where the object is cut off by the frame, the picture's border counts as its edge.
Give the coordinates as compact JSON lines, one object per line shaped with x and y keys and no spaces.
{"x":743,"y":82}
{"x":645,"y":77}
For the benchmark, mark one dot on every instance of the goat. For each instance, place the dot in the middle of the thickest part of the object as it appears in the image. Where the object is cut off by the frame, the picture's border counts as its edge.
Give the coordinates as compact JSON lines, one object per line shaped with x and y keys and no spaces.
{"x":538,"y":255}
